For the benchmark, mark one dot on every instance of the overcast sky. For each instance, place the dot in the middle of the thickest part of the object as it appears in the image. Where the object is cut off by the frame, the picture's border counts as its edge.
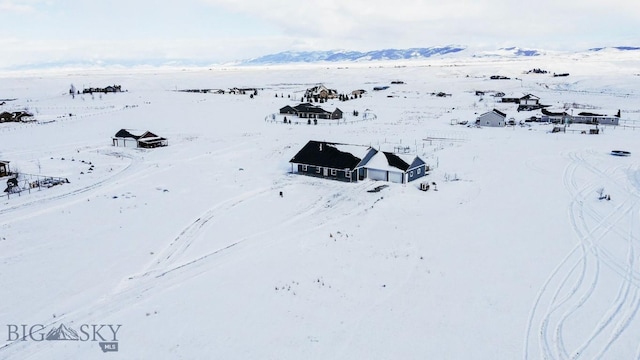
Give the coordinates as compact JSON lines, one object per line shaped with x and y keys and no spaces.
{"x":41,"y":31}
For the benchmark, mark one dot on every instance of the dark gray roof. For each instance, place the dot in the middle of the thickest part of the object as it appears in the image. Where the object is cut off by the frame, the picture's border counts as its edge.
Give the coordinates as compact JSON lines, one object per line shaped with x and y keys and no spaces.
{"x":395,"y":161}
{"x":551,"y":113}
{"x":529,"y":96}
{"x":499,"y":113}
{"x":320,"y":153}
{"x":124,"y":133}
{"x":309,"y":108}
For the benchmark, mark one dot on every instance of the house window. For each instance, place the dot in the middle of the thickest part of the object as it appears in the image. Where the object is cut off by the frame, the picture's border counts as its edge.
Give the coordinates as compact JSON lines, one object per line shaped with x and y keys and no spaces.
{"x":347,"y":174}
{"x":411,"y":173}
{"x":304,"y":168}
{"x":419,"y":171}
{"x":318,"y":170}
{"x":334,"y":172}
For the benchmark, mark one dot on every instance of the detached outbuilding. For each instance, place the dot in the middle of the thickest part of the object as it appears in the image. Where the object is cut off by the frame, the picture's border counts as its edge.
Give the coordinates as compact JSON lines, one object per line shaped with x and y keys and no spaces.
{"x":138,"y":139}
{"x":492,"y":118}
{"x":4,"y":168}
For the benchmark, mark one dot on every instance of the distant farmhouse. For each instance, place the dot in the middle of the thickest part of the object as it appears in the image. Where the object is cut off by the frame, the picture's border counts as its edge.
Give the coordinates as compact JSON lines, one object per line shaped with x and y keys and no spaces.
{"x":108,"y":89}
{"x":581,"y":118}
{"x":310,"y":111}
{"x":138,"y":139}
{"x":233,"y":90}
{"x":17,"y":116}
{"x":530,"y":102}
{"x":529,"y":99}
{"x":242,"y":91}
{"x":321,"y":92}
{"x":493,"y":118}
{"x":353,"y":163}
{"x":525,"y":103}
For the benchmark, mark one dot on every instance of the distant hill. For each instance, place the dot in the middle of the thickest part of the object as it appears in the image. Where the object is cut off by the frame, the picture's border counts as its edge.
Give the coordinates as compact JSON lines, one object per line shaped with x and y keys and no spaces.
{"x":332,"y":56}
{"x":512,"y":51}
{"x":621,"y":48}
{"x":343,"y":55}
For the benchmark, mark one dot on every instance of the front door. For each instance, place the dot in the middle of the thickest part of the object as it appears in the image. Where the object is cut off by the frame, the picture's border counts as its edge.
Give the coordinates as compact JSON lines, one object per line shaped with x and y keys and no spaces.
{"x":325,"y":172}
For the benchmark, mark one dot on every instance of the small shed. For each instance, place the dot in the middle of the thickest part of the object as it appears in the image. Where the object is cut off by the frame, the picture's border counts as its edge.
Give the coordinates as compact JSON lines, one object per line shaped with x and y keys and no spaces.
{"x":4,"y":168}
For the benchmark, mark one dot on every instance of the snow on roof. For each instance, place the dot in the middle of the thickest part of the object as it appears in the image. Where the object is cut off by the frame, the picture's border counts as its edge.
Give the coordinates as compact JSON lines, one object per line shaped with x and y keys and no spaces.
{"x":153,"y":138}
{"x":382,"y":161}
{"x":332,"y":155}
{"x":358,"y":151}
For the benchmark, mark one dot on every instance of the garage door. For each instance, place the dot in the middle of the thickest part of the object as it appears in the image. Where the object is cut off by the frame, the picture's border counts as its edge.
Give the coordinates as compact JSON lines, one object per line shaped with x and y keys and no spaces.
{"x":377,"y":174}
{"x":395,"y":177}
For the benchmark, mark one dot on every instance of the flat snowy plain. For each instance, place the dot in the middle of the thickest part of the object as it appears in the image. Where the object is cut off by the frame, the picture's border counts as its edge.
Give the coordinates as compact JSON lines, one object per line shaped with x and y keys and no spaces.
{"x":193,"y":252}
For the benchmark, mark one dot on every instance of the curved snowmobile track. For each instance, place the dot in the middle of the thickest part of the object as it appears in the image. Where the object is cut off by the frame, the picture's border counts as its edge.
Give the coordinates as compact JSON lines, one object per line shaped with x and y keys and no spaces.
{"x":607,"y":249}
{"x":170,"y":269}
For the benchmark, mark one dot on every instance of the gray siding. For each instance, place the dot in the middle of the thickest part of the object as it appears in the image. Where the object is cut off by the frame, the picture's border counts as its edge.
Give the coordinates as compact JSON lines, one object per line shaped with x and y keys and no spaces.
{"x":491,"y":119}
{"x":417,"y":173}
{"x":328,"y":173}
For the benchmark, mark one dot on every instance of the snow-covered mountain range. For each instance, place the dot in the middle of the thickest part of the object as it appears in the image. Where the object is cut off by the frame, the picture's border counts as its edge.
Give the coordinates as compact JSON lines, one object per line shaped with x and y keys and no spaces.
{"x":288,"y":57}
{"x":329,"y":56}
{"x":345,"y":55}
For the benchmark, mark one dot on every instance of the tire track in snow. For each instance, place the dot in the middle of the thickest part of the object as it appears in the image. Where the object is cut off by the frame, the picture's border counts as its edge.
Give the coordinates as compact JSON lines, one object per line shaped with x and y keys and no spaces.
{"x":545,"y":348}
{"x":135,"y":161}
{"x":584,"y":233}
{"x":589,"y":240}
{"x":148,"y":286}
{"x":627,"y":278}
{"x":620,"y":301}
{"x":310,"y":212}
{"x":557,"y":339}
{"x":188,"y":235}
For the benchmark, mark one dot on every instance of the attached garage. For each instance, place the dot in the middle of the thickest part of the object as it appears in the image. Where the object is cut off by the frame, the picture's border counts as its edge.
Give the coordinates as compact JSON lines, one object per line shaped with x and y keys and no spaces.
{"x":125,"y":142}
{"x":375,"y":174}
{"x":396,"y":177}
{"x":395,"y":168}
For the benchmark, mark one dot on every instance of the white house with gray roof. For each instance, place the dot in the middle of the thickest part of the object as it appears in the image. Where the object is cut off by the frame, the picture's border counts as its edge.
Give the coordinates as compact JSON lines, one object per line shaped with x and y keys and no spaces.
{"x":493,"y":118}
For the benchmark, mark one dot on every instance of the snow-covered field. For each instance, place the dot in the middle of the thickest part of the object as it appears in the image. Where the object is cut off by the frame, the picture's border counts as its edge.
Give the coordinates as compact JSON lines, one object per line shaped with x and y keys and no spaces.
{"x":191,"y":250}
